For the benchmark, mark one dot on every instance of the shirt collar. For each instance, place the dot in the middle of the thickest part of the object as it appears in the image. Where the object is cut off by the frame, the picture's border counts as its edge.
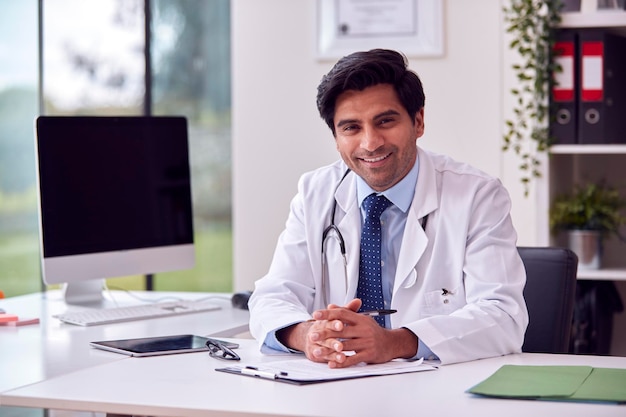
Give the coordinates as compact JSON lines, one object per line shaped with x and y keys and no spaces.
{"x":401,"y":194}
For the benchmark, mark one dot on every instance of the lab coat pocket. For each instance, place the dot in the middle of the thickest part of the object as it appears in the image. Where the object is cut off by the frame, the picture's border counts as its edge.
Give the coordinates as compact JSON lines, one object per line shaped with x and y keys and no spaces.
{"x":443,"y":301}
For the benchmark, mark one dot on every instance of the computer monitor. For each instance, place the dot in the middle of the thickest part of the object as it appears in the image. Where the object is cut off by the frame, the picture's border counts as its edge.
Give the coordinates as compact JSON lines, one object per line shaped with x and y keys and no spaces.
{"x":114,"y":200}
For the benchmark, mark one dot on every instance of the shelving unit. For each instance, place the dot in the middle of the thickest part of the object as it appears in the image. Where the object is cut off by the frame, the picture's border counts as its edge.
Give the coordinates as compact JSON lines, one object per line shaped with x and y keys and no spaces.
{"x":576,"y":164}
{"x":604,"y":274}
{"x":601,"y":18}
{"x":588,"y":149}
{"x":569,"y":165}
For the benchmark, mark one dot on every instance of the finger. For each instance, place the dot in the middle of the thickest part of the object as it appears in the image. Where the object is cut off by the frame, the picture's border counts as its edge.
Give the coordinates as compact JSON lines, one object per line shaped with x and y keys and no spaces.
{"x":316,"y":348}
{"x":345,"y":362}
{"x":323,"y":354}
{"x":317,"y":355}
{"x":326,"y":334}
{"x":365,"y":336}
{"x":322,"y":339}
{"x":337,"y":360}
{"x":324,"y":328}
{"x":354,"y":305}
{"x":342,"y":314}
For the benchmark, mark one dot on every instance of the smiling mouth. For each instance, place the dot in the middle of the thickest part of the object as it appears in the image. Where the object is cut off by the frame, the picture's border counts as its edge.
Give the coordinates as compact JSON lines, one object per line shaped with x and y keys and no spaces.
{"x":377,"y":159}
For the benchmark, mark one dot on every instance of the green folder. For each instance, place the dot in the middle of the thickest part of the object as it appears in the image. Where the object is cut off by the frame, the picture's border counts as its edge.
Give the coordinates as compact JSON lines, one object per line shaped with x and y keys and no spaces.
{"x":561,"y":383}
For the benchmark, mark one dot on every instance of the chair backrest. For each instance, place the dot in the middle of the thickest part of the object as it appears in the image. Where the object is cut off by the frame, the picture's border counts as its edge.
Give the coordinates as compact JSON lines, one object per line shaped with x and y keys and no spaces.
{"x":550,"y":295}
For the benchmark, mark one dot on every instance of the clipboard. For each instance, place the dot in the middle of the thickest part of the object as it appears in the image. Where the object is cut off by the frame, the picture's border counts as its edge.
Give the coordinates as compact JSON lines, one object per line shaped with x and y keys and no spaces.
{"x":304,"y":372}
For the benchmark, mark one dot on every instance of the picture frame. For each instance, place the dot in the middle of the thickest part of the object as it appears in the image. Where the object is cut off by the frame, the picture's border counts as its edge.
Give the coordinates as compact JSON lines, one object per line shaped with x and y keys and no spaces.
{"x":413,"y":27}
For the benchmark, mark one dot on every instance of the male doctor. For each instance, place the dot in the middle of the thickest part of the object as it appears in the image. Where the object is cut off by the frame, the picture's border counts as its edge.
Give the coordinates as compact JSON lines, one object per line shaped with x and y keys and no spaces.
{"x":448,"y":259}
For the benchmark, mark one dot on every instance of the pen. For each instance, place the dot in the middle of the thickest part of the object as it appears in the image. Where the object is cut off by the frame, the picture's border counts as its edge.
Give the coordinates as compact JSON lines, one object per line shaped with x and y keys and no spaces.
{"x":376,"y":313}
{"x":254,"y":371}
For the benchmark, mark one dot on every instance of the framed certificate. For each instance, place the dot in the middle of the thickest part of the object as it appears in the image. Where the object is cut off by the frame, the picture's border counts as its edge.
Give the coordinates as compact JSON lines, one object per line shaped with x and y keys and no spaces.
{"x":413,"y":27}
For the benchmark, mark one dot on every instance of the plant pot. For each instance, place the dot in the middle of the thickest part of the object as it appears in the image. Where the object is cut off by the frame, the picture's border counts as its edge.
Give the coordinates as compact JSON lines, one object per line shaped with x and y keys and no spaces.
{"x":587,"y":246}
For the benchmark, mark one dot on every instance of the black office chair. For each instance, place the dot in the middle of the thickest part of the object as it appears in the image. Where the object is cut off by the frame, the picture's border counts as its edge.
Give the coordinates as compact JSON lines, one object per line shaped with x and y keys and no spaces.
{"x":550,"y":294}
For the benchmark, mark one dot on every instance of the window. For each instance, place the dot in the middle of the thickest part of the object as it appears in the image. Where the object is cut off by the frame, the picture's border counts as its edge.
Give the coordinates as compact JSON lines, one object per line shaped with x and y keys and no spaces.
{"x":95,"y":63}
{"x":19,"y":241}
{"x":190,"y":53}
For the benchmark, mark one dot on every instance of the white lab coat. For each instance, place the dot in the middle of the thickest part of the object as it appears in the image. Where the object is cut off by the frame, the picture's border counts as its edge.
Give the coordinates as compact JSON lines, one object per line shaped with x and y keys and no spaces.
{"x":468,"y":249}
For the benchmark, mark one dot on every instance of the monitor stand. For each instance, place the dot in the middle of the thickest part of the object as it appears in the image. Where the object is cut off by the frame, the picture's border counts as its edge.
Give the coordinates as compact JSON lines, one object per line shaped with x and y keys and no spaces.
{"x":85,"y":293}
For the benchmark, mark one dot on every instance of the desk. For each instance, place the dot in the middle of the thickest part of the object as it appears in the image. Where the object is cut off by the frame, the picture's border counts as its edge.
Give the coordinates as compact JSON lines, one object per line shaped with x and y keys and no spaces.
{"x":33,"y":353}
{"x":186,"y":385}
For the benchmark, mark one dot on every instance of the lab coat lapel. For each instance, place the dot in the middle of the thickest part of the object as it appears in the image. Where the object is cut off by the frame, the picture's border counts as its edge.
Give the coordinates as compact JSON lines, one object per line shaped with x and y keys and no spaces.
{"x":415,"y":239}
{"x":413,"y":246}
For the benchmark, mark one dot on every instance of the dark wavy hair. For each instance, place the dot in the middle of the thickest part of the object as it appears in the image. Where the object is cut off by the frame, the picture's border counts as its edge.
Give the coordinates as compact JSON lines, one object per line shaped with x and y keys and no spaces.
{"x":360,"y":70}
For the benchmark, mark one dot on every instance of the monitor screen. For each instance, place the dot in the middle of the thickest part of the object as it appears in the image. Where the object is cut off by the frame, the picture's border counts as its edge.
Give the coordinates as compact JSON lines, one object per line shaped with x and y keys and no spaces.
{"x":115,"y":198}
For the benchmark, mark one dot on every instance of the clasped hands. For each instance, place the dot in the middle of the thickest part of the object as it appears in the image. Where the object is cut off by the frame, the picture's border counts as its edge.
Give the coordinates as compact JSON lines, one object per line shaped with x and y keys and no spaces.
{"x":342,"y":337}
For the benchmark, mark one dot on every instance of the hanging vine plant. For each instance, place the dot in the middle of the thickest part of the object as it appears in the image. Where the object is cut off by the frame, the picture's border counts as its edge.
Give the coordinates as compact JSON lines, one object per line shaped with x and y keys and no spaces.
{"x":532,"y":24}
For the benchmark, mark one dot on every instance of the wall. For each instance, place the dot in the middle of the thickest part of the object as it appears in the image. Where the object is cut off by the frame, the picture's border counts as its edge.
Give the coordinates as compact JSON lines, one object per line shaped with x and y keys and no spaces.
{"x":278,"y":135}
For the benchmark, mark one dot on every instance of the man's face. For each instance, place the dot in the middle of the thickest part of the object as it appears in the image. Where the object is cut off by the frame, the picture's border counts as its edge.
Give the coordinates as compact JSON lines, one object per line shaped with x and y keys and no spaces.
{"x":375,"y":135}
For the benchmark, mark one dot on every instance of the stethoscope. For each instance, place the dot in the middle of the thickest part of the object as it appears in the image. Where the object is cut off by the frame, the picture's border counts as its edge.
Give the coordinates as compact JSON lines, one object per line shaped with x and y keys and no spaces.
{"x":332,"y":231}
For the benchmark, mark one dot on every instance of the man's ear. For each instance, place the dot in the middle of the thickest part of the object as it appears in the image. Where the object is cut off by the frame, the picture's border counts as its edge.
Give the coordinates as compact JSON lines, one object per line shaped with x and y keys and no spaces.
{"x":419,"y":123}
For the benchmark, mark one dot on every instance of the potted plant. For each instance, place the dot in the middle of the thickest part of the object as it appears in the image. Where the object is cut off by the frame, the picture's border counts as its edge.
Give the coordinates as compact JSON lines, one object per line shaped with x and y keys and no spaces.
{"x":588,"y":214}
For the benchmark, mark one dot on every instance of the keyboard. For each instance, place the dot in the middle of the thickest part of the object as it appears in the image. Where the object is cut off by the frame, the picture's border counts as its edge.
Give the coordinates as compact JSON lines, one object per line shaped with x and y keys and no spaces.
{"x":139,"y":312}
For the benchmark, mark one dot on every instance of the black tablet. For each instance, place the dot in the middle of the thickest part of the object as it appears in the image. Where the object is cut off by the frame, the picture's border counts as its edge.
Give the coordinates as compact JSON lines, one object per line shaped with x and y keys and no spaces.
{"x":162,"y":345}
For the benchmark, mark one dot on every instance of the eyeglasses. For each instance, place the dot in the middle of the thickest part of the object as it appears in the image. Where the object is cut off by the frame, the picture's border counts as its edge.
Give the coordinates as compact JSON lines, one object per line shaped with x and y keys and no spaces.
{"x":218,"y":351}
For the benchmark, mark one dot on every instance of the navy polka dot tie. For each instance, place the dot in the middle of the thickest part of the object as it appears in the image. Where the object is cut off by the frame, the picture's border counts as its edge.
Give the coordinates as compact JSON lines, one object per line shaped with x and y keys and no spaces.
{"x":370,"y":288}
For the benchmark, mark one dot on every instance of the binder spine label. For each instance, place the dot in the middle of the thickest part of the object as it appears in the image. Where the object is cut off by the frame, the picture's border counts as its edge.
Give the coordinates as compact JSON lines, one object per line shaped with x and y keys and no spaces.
{"x":564,"y":80}
{"x":592,"y":71}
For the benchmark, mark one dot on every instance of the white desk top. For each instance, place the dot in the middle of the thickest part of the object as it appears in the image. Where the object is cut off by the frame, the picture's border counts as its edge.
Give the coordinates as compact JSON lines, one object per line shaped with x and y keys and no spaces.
{"x":37,"y":352}
{"x":187,"y":385}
